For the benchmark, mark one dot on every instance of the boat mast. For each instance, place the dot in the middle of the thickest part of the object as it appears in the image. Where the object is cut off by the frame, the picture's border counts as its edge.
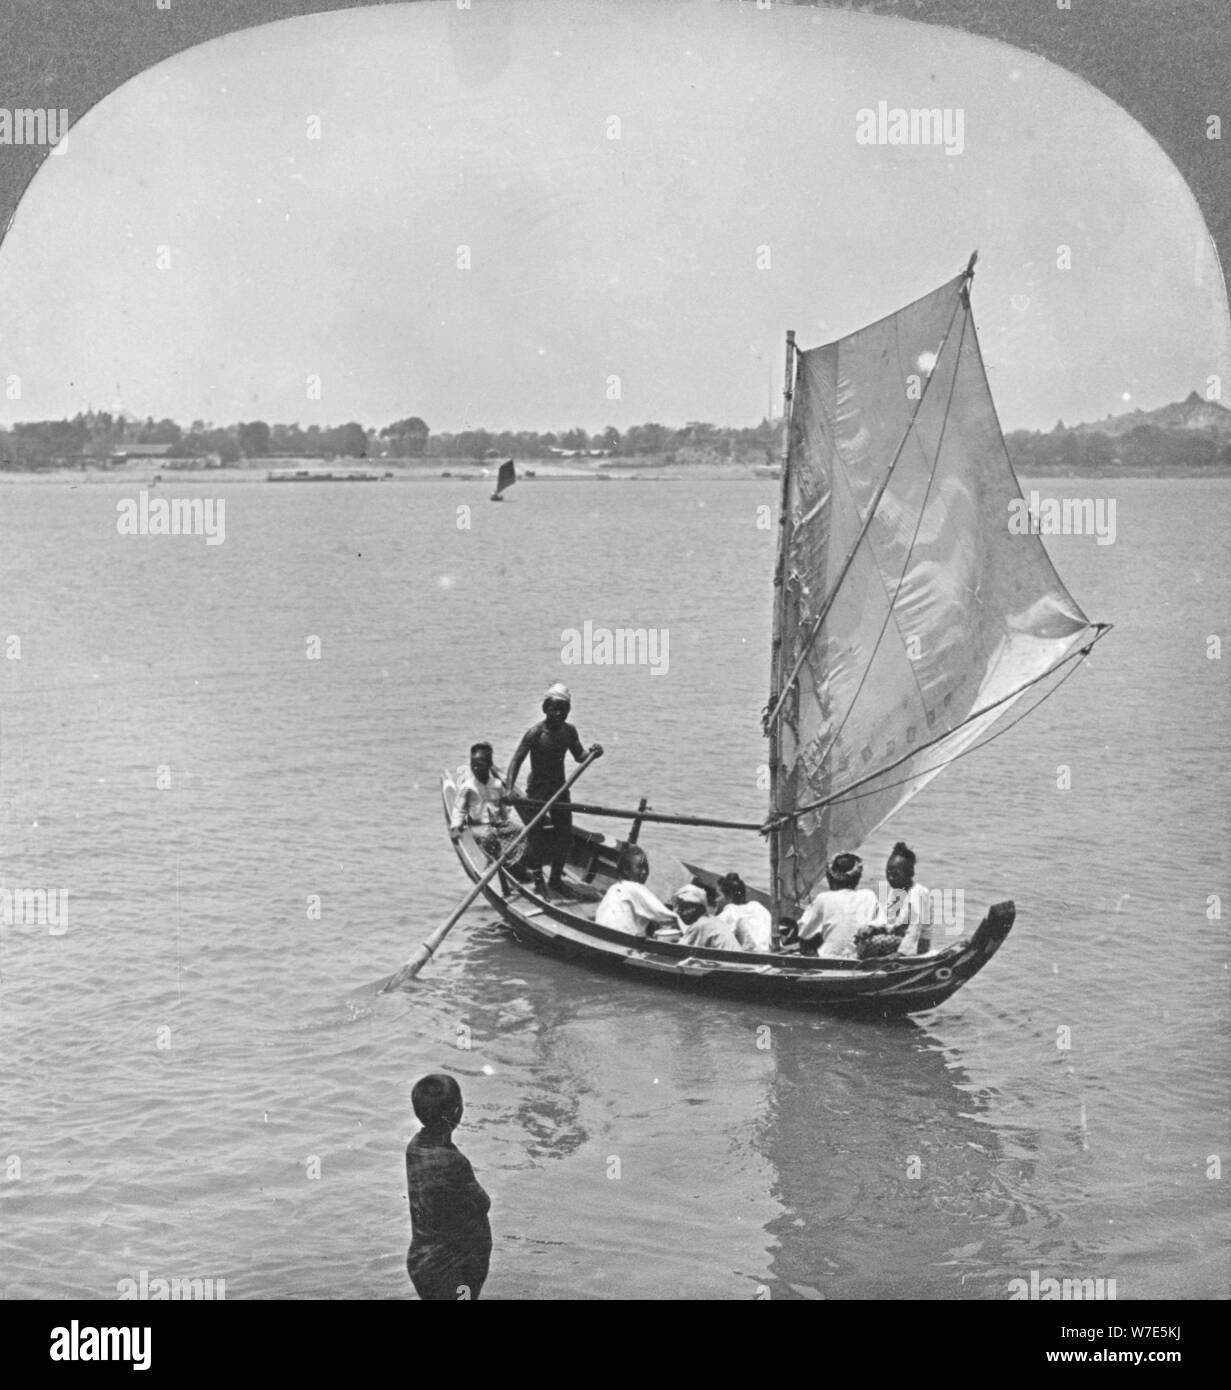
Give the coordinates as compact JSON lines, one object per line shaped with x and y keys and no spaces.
{"x":775,"y":676}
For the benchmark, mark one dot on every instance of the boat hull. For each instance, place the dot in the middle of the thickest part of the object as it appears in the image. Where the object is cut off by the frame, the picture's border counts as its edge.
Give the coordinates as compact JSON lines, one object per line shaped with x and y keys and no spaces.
{"x":877,"y":988}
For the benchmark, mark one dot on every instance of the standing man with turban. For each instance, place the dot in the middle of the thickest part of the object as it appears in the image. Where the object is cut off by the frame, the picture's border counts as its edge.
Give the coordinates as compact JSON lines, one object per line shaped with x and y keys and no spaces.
{"x":545,"y":745}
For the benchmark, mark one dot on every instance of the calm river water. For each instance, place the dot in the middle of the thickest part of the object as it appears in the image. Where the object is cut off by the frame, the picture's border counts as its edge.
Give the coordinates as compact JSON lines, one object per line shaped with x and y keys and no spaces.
{"x":198,"y":1079}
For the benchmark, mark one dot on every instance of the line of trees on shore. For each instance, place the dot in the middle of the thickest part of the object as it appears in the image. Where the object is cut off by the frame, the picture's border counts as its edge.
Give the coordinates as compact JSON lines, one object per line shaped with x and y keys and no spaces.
{"x":96,"y":436}
{"x":1145,"y":448}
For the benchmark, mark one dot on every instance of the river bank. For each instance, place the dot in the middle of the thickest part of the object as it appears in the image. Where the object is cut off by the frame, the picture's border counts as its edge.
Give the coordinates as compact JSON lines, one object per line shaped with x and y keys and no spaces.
{"x":528,"y":471}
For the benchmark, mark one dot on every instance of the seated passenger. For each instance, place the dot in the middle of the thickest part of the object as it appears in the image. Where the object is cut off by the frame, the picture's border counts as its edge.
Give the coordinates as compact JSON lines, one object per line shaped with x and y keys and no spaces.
{"x":908,"y":909}
{"x":833,"y":917}
{"x":482,"y":803}
{"x":628,"y":905}
{"x":700,"y":929}
{"x":749,"y":921}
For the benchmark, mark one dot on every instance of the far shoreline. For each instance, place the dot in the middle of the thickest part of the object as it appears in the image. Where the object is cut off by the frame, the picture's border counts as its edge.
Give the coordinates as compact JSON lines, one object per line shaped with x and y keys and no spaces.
{"x":635,"y":470}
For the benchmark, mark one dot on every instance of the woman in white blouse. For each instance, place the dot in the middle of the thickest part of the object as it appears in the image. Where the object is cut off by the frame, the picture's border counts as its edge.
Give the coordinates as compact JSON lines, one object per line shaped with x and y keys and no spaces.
{"x":908,"y":908}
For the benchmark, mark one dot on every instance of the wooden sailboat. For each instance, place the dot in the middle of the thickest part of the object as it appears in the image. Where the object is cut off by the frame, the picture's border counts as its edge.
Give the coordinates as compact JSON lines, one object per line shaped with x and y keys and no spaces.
{"x":908,"y":620}
{"x":504,"y":480}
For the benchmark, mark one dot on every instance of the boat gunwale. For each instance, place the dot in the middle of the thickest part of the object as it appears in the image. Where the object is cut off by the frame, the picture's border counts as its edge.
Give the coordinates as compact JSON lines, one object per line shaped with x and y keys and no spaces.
{"x":669,"y":950}
{"x":866,"y":980}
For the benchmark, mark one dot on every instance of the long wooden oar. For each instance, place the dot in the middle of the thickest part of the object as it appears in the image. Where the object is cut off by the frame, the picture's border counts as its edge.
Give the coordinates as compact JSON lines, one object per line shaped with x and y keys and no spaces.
{"x":427,"y":947}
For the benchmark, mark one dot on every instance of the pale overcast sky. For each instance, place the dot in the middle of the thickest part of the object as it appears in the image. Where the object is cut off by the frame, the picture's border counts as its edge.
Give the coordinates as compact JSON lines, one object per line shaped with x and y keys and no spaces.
{"x":294,"y":257}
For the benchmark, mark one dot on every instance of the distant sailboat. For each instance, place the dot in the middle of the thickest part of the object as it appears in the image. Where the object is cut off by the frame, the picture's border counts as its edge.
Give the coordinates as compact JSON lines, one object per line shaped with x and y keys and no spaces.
{"x":908,"y":619}
{"x":504,"y":480}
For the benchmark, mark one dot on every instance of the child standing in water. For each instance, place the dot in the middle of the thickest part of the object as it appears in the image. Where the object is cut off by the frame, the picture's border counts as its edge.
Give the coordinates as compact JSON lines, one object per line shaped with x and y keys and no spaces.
{"x":451,"y":1239}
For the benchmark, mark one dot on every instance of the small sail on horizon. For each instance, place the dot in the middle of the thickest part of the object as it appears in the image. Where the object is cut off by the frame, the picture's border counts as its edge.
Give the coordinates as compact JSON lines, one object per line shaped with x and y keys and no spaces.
{"x":910,"y":618}
{"x":504,"y":479}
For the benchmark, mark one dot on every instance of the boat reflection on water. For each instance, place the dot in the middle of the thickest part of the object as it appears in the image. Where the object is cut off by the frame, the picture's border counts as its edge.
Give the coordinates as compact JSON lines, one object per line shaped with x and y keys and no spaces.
{"x":653,"y":1145}
{"x":889,"y":1184}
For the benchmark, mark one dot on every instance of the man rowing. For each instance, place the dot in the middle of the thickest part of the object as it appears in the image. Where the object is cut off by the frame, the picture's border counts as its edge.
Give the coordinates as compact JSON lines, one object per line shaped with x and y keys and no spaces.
{"x":546,"y":745}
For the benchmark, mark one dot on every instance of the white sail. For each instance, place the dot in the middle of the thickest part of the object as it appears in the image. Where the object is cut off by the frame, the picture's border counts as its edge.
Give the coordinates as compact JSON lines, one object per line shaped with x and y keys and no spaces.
{"x":936,"y":617}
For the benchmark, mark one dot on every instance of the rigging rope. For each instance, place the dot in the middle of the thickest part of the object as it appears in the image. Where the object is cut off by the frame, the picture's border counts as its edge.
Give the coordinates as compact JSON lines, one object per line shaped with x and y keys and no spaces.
{"x":849,"y":793}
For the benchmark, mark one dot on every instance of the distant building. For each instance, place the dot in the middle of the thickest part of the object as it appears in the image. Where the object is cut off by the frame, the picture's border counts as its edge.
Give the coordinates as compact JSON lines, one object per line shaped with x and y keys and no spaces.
{"x":168,"y":455}
{"x":124,"y":452}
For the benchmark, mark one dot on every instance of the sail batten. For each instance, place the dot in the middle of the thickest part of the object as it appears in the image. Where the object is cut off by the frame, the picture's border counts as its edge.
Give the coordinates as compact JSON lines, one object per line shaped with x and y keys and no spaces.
{"x":913,"y":619}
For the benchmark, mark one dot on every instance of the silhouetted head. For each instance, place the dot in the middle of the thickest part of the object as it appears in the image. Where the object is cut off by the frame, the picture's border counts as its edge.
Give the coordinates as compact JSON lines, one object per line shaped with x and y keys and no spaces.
{"x":437,"y":1099}
{"x":634,"y":864}
{"x":900,"y":866}
{"x":845,"y":871}
{"x":733,"y":888}
{"x":481,"y":760}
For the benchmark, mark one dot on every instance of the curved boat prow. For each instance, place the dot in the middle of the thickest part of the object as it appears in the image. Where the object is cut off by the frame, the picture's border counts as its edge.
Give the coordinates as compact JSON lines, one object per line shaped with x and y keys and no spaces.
{"x":988,"y":937}
{"x":993,"y":929}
